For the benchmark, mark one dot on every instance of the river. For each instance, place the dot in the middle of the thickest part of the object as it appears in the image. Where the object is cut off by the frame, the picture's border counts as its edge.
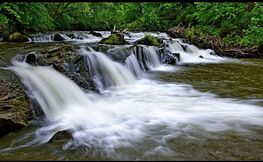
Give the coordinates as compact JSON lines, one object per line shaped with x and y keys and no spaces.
{"x":200,"y":109}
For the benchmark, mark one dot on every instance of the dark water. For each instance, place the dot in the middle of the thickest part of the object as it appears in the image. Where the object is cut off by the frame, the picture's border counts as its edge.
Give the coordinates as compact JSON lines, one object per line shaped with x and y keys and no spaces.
{"x":239,"y":81}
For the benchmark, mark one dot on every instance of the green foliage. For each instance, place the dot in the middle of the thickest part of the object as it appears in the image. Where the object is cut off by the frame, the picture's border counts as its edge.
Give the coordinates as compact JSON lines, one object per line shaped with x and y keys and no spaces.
{"x":235,"y":23}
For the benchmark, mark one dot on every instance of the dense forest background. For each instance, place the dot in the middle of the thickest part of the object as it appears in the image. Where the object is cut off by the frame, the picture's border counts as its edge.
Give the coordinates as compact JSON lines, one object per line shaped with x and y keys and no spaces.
{"x":233,"y":23}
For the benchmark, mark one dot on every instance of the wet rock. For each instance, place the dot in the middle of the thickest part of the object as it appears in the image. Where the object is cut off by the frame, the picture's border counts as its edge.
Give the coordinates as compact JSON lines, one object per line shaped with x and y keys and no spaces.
{"x":61,"y":136}
{"x":171,"y":58}
{"x":15,"y":107}
{"x":15,"y":37}
{"x":114,"y":39}
{"x":95,"y":33}
{"x":66,"y":60}
{"x":149,"y":41}
{"x":119,"y":54}
{"x":71,"y":35}
{"x":58,"y":37}
{"x":31,"y":58}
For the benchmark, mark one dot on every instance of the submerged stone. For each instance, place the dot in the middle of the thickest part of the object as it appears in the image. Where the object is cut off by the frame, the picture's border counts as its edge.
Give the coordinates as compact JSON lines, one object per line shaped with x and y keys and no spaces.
{"x":61,"y":136}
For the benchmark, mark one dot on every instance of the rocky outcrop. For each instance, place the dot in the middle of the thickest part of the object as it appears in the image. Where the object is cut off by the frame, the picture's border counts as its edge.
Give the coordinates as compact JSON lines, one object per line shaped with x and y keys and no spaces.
{"x":150,"y":41}
{"x":66,"y":60}
{"x":15,"y":107}
{"x":15,"y":37}
{"x":114,"y":39}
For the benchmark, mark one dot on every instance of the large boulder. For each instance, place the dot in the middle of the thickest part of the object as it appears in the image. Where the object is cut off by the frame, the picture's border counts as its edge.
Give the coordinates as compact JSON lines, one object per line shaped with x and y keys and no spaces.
{"x":149,"y":41}
{"x":15,"y":37}
{"x":15,"y":107}
{"x":114,"y":39}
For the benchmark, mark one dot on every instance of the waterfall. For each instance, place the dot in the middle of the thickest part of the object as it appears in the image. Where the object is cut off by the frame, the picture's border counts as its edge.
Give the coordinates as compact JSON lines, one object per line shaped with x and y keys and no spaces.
{"x":43,"y":38}
{"x":147,"y":57}
{"x":104,"y":71}
{"x":190,"y":54}
{"x":54,"y":92}
{"x":132,"y":64}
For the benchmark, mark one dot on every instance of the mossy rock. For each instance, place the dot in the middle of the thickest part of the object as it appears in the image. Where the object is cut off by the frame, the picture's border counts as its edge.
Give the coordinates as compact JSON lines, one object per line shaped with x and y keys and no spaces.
{"x":114,"y":39}
{"x":150,"y":41}
{"x":15,"y":107}
{"x":15,"y":37}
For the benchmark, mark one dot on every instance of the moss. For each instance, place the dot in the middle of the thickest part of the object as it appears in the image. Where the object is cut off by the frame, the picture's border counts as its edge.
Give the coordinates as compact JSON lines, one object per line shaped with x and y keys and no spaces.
{"x":150,"y":41}
{"x":115,"y":39}
{"x":16,"y":37}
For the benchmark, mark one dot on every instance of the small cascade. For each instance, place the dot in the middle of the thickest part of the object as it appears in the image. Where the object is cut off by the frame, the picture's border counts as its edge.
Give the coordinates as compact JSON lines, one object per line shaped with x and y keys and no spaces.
{"x":187,"y":53}
{"x":104,"y":71}
{"x":147,"y":56}
{"x":43,"y":38}
{"x":132,"y":64}
{"x":54,"y":92}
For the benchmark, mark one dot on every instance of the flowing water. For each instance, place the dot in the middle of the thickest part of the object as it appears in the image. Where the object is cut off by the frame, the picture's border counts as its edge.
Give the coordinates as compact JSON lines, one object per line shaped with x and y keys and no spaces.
{"x":207,"y":108}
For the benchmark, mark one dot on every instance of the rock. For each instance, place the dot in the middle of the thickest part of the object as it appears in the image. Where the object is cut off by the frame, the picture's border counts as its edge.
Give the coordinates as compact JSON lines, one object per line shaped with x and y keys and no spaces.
{"x":61,"y":136}
{"x":95,"y":33}
{"x":171,"y":58}
{"x":15,"y":37}
{"x":31,"y":58}
{"x":149,"y":41}
{"x":58,"y":37}
{"x":119,"y":54}
{"x":15,"y":107}
{"x":176,"y":32}
{"x":71,"y":35}
{"x":114,"y":39}
{"x":66,"y":60}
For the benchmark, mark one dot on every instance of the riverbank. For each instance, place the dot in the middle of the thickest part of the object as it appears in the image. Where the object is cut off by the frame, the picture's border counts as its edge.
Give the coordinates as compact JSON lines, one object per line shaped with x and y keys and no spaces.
{"x":216,"y":43}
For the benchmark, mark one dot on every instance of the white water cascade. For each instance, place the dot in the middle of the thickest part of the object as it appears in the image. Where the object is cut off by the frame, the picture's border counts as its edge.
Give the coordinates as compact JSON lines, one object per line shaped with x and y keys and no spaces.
{"x":146,"y":110}
{"x":191,"y":54}
{"x":147,"y":57}
{"x":106,"y":72}
{"x":54,"y":92}
{"x":132,"y":64}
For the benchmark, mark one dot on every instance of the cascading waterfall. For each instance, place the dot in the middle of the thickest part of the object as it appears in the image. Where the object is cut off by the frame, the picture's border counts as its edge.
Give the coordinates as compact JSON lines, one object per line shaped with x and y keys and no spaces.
{"x":147,"y":57}
{"x":104,"y":71}
{"x":132,"y":64}
{"x":190,"y":53}
{"x":125,"y":117}
{"x":43,"y":38}
{"x":54,"y":92}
